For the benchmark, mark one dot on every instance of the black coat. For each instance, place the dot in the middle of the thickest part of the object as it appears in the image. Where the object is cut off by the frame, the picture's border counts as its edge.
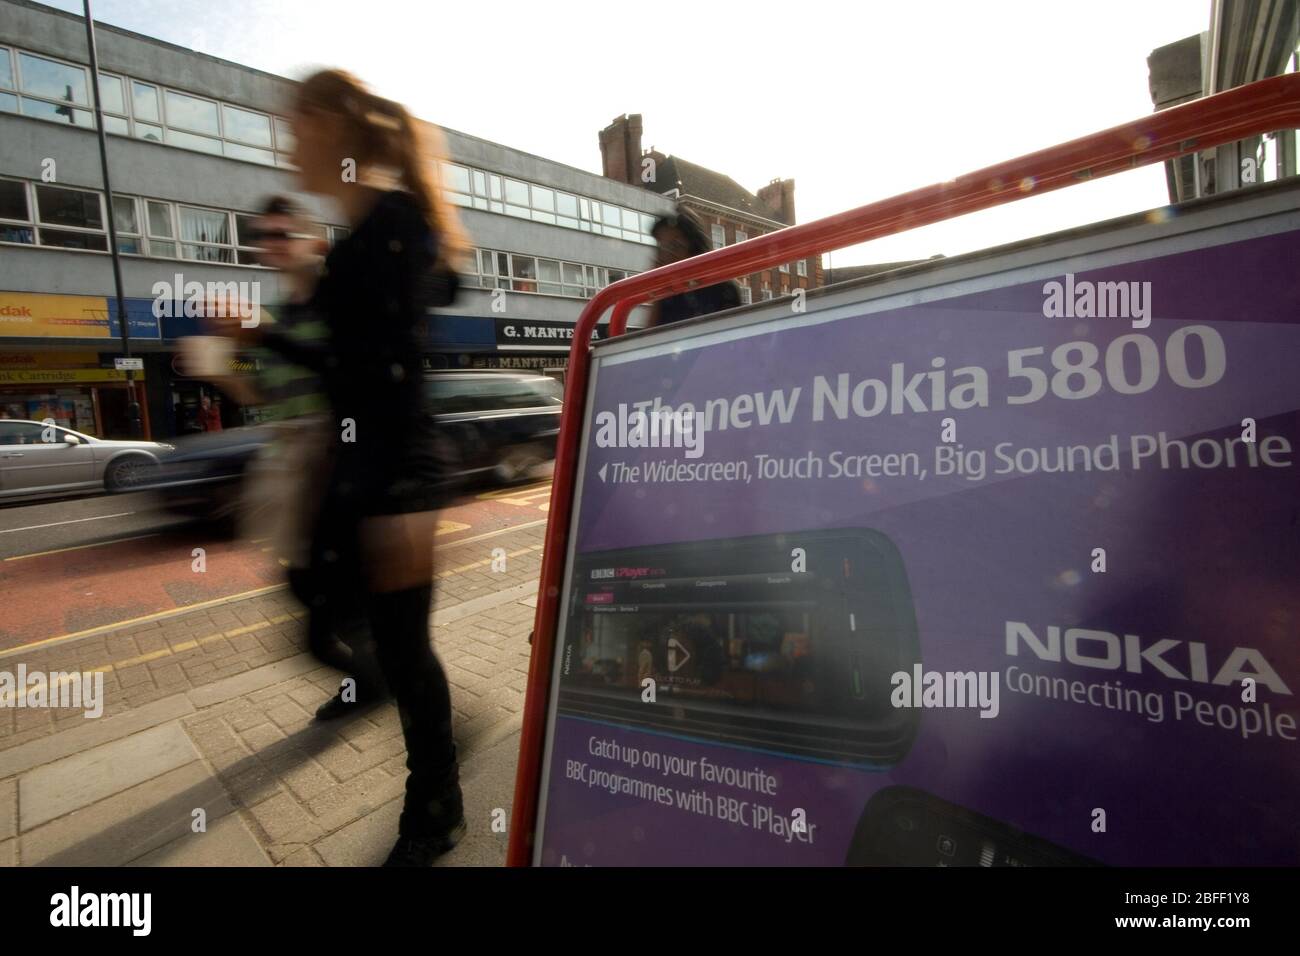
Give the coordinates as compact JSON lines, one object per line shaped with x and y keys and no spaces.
{"x":374,"y":295}
{"x":687,"y":305}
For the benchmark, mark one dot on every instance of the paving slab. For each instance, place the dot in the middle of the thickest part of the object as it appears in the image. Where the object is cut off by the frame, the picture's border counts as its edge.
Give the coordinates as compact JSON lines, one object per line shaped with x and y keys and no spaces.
{"x":227,"y":842}
{"x":130,"y":824}
{"x":74,"y":782}
{"x":92,"y":733}
{"x":229,"y":688}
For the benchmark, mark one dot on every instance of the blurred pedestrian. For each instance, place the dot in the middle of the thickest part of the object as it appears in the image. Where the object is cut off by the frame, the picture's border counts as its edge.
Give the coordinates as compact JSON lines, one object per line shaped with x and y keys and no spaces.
{"x":680,"y":236}
{"x":209,"y":415}
{"x":375,"y":532}
{"x":285,"y":484}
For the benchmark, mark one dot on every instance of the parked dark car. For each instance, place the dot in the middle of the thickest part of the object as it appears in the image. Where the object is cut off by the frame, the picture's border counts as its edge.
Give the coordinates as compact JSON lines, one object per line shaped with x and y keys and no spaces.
{"x":202,"y":476}
{"x":498,"y":423}
{"x":503,"y":423}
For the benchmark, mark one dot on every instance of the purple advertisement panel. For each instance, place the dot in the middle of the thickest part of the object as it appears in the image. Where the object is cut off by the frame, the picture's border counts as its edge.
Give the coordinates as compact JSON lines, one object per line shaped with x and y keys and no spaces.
{"x":1006,"y":578}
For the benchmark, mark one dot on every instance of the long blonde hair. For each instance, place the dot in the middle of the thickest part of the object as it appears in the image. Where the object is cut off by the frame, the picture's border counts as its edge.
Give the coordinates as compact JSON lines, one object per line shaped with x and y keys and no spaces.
{"x":381,"y":132}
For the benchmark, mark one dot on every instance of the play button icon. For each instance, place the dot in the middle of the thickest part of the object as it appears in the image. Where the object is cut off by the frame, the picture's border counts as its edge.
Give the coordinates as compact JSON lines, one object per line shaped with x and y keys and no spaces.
{"x":675,"y":649}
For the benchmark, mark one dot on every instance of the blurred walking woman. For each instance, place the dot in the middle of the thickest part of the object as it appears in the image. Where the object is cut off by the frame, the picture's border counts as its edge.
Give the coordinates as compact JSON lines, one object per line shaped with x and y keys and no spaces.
{"x":374,"y":535}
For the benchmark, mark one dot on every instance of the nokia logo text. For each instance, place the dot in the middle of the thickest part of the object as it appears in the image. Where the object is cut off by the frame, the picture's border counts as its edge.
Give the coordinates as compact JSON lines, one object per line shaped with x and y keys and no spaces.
{"x":1177,"y":660}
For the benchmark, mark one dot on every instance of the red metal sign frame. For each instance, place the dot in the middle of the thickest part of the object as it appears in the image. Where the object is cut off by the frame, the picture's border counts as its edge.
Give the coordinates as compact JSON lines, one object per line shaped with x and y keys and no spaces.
{"x":1263,"y":107}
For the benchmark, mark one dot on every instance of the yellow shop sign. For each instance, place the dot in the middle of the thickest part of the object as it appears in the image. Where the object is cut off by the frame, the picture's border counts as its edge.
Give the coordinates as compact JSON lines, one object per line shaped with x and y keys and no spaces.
{"x":34,"y":315}
{"x":62,"y":376}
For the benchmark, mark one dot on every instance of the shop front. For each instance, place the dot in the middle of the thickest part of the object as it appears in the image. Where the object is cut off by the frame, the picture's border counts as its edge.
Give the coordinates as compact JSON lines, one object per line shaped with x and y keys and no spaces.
{"x":196,"y":405}
{"x":57,"y":361}
{"x":77,"y":389}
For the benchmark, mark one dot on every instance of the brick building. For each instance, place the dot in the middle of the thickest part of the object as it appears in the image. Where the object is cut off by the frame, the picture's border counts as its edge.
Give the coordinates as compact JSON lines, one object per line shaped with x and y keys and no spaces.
{"x":729,"y":212}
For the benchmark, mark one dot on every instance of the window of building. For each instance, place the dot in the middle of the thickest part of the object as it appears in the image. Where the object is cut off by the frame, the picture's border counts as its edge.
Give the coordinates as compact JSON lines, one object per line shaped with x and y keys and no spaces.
{"x":802,"y":267}
{"x":284,"y":141}
{"x":523,"y":273}
{"x":78,"y":214}
{"x":250,"y":153}
{"x":202,"y":144}
{"x":517,"y":199}
{"x":52,"y":90}
{"x":566,"y":210}
{"x":147,"y":112}
{"x":8,"y":101}
{"x":543,"y":204}
{"x":127,"y":223}
{"x":205,"y":235}
{"x":574,"y":284}
{"x":15,"y":213}
{"x":785,"y":268}
{"x":245,"y":126}
{"x":62,"y":82}
{"x":746,"y":295}
{"x":719,"y":235}
{"x":246,"y":240}
{"x":490,"y":269}
{"x":548,"y":274}
{"x":69,"y":218}
{"x":456,"y":184}
{"x":144,"y":102}
{"x":58,"y":91}
{"x":190,"y":113}
{"x":487,"y":268}
{"x":162,"y":229}
{"x":473,"y":188}
{"x":741,"y":235}
{"x":113,"y":102}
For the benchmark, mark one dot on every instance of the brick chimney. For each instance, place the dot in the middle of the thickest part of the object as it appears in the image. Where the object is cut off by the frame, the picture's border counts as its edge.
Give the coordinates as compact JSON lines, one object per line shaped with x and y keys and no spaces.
{"x":778,"y":196}
{"x":620,"y":149}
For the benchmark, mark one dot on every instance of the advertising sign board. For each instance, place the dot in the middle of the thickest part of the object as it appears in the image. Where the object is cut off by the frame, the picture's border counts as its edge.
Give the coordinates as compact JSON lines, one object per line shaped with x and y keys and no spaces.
{"x":990,"y":563}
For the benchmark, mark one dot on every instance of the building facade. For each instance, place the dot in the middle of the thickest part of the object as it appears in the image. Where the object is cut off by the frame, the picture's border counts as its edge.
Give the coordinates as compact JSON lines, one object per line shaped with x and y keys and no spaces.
{"x":728,"y":211}
{"x":195,"y":146}
{"x":1247,"y":40}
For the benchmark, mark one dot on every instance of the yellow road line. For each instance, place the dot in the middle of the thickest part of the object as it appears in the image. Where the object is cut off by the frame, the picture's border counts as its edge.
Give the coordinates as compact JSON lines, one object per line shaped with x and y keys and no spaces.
{"x":255,"y":592}
{"x":165,"y":652}
{"x":250,"y":628}
{"x":479,"y":564}
{"x":80,"y":547}
{"x":143,"y":619}
{"x":503,"y":493}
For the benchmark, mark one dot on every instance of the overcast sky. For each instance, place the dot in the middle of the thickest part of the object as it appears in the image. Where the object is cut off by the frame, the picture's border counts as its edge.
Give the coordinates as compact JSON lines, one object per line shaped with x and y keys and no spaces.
{"x":857,"y":100}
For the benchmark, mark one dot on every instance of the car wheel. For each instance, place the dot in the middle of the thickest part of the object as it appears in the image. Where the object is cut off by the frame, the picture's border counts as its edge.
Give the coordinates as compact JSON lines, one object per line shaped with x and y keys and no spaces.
{"x":519,"y":463}
{"x":126,"y":472}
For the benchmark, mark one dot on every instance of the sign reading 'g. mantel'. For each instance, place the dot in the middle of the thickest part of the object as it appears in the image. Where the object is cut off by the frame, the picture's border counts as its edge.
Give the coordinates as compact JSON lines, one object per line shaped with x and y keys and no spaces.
{"x":529,"y":333}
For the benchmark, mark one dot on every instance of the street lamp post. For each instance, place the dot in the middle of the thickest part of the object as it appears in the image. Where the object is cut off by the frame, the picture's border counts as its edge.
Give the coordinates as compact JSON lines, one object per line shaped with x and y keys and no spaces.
{"x":132,"y":405}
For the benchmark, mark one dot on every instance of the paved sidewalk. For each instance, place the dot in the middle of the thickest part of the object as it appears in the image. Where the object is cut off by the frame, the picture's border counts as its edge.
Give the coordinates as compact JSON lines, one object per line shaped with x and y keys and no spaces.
{"x":211,"y":710}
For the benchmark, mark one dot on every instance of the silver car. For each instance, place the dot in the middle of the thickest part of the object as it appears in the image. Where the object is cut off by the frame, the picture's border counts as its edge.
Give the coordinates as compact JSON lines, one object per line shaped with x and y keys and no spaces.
{"x":40,"y":458}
